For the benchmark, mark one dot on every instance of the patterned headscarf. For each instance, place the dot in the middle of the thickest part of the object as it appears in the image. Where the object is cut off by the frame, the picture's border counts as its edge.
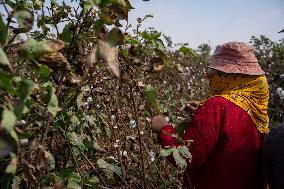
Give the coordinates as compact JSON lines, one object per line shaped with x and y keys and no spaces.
{"x":247,"y":91}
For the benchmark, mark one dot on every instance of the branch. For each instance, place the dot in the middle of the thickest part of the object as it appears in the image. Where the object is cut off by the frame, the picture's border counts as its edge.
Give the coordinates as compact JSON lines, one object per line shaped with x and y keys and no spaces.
{"x":10,"y":41}
{"x":55,"y":25}
{"x":94,"y":168}
{"x":139,"y":136}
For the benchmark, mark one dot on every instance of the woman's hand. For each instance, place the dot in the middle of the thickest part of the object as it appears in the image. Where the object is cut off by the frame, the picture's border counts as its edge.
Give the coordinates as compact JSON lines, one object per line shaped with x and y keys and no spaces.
{"x":157,"y":123}
{"x":191,"y":105}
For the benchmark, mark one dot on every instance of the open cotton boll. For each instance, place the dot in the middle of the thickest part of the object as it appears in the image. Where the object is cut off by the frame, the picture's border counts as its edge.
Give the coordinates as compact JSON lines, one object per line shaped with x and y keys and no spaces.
{"x":132,"y":123}
{"x":280,"y":93}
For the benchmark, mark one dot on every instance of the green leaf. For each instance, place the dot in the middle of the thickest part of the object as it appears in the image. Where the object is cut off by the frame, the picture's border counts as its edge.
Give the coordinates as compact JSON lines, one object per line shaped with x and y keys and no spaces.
{"x":43,"y":71}
{"x":150,"y":93}
{"x":7,"y":177}
{"x":7,"y":144}
{"x":119,"y":2}
{"x":130,"y":40}
{"x":37,"y":35}
{"x":150,"y":36}
{"x":4,"y":61}
{"x":160,"y":45}
{"x":74,"y":180}
{"x":37,"y":4}
{"x":33,"y":49}
{"x":185,"y":50}
{"x":54,"y":2}
{"x":180,"y":161}
{"x":115,"y":37}
{"x":124,"y":53}
{"x":52,"y":105}
{"x":12,"y":167}
{"x":109,"y":168}
{"x":89,"y":4}
{"x":11,"y":3}
{"x":8,"y":121}
{"x":14,"y":136}
{"x":185,"y":152}
{"x":181,"y":127}
{"x":3,"y":32}
{"x":102,"y":164}
{"x":66,"y":34}
{"x":79,"y":99}
{"x":51,"y":161}
{"x":25,"y":19}
{"x":16,"y":182}
{"x":125,"y":4}
{"x":166,"y":152}
{"x":76,"y":140}
{"x":72,"y":184}
{"x":6,"y":82}
{"x":93,"y":180}
{"x":179,"y":68}
{"x":25,"y":88}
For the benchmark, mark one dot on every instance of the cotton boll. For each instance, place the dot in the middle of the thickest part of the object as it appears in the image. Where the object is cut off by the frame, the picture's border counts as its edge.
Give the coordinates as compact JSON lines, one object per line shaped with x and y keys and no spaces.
{"x":167,"y":119}
{"x":124,"y":153}
{"x":112,"y":117}
{"x":132,"y":123}
{"x":278,"y":90}
{"x":23,"y":122}
{"x":280,"y":93}
{"x":152,"y":156}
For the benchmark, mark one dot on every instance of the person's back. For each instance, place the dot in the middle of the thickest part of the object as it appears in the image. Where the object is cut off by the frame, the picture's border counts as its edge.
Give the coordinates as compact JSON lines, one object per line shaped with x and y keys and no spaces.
{"x":273,"y":157}
{"x":227,"y":129}
{"x":232,"y":162}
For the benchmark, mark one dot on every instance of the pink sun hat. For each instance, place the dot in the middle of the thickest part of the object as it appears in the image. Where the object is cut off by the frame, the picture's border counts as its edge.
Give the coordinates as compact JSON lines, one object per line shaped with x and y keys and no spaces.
{"x":236,"y":57}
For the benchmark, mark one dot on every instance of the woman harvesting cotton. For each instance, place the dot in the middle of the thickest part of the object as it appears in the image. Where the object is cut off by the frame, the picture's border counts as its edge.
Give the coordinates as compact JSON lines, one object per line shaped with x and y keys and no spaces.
{"x":227,"y":129}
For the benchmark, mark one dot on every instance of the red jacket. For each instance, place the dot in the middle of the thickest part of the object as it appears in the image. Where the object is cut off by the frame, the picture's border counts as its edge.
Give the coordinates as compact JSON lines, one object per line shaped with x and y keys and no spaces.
{"x":225,"y":150}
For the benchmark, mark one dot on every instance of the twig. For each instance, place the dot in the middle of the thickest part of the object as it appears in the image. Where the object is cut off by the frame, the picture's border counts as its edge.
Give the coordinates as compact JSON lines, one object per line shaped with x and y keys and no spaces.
{"x":139,"y":137}
{"x":5,"y":7}
{"x":75,"y":161}
{"x":103,"y":187}
{"x":148,"y":153}
{"x":46,"y":128}
{"x":10,"y":41}
{"x":94,"y":168}
{"x":76,"y":26}
{"x":118,"y":151}
{"x":8,"y":13}
{"x":55,"y":25}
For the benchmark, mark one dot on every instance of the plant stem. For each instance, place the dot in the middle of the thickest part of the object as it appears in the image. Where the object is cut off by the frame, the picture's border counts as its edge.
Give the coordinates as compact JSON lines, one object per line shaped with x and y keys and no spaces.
{"x":139,"y":137}
{"x":46,"y":128}
{"x":94,"y":168}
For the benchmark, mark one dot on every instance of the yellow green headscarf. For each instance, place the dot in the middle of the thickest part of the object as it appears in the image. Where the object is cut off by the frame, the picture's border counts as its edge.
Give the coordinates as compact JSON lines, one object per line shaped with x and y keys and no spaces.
{"x":247,"y":91}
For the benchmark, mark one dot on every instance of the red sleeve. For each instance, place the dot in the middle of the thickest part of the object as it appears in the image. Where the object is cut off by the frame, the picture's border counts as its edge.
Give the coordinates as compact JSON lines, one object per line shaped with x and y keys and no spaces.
{"x":165,"y":136}
{"x":203,"y":129}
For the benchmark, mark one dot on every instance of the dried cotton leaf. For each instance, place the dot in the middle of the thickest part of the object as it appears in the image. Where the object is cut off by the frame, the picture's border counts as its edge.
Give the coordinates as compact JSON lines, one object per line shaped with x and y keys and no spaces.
{"x":109,"y":54}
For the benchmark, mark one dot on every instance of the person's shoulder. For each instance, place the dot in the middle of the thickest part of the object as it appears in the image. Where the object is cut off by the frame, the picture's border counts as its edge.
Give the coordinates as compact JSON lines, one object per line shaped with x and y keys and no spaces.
{"x":215,"y":100}
{"x":213,"y":103}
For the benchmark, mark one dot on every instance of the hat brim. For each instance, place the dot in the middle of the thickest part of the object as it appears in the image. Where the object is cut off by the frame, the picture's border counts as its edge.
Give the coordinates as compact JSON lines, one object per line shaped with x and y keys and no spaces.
{"x":250,"y":68}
